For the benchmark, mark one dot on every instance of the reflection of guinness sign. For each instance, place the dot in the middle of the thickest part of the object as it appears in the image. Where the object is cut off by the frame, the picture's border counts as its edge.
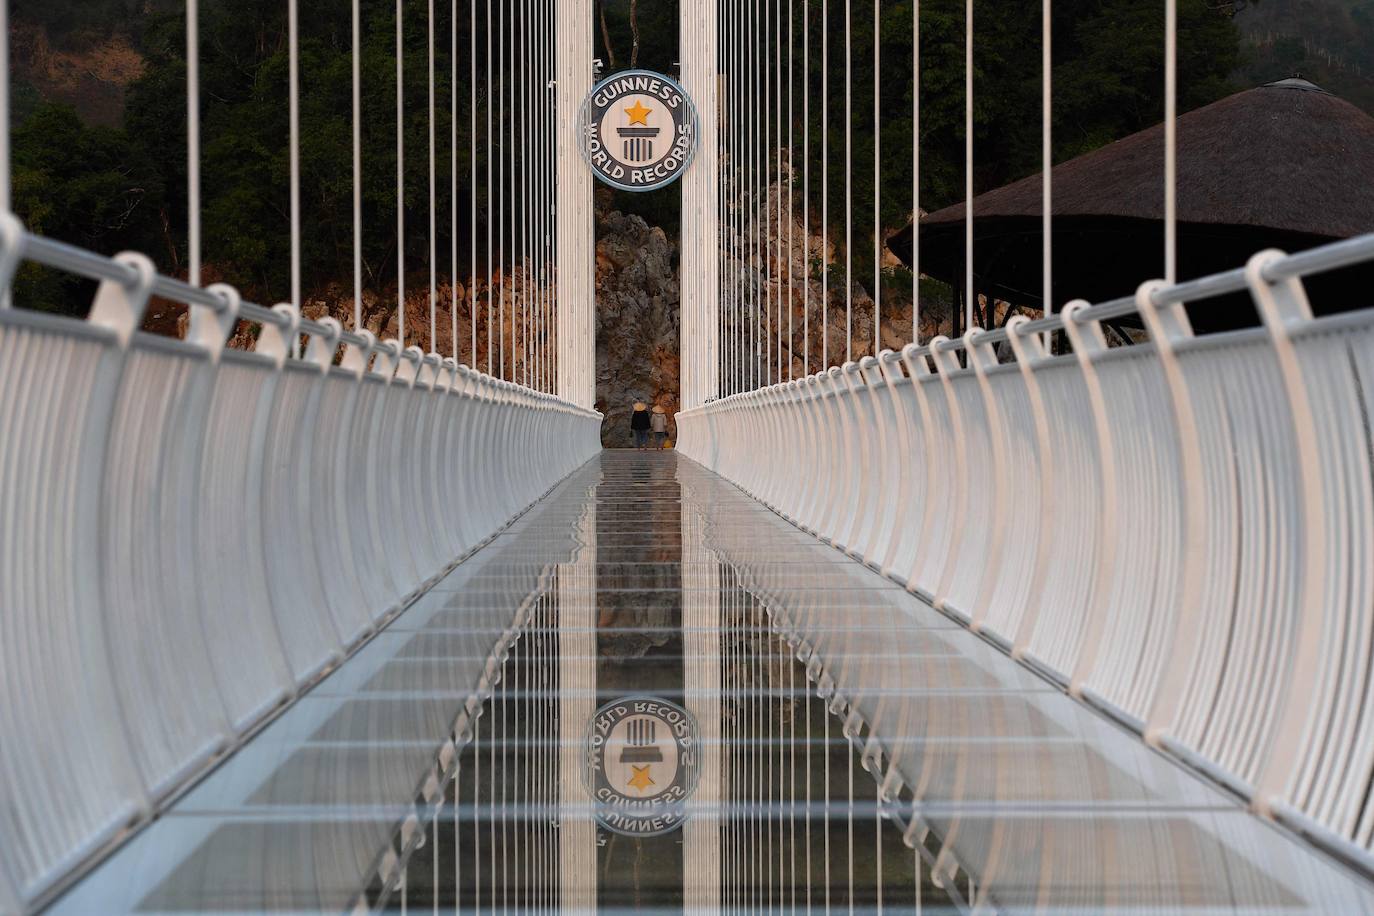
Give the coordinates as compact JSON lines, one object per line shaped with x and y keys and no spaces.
{"x":639,"y":130}
{"x":642,"y":764}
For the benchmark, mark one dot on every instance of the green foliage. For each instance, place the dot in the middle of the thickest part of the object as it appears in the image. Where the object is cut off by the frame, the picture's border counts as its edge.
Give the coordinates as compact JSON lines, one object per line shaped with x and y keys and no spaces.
{"x":86,"y":185}
{"x":245,"y":155}
{"x":1108,"y":65}
{"x":1330,"y":42}
{"x":113,"y":189}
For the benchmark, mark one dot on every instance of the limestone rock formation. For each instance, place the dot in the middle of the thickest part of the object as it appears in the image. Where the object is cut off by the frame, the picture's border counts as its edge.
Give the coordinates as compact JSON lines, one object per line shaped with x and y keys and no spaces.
{"x":637,"y":314}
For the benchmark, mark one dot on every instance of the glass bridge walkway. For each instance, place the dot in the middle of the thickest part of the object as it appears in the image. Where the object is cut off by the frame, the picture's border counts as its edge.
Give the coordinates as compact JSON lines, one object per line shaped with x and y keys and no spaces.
{"x":446,"y":766}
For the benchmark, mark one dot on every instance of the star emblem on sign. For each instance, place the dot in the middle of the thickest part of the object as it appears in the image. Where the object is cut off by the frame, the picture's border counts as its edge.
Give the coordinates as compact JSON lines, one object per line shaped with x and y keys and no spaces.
{"x":639,"y":114}
{"x":640,"y":780}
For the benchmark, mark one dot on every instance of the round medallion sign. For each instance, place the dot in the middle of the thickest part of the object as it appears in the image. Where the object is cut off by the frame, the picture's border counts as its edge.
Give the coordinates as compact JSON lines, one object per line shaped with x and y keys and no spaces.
{"x":642,"y":764}
{"x":639,"y":130}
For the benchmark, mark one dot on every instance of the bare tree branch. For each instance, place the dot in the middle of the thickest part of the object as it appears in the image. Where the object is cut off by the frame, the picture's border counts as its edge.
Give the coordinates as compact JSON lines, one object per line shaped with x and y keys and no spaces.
{"x":606,"y":35}
{"x":634,"y":30}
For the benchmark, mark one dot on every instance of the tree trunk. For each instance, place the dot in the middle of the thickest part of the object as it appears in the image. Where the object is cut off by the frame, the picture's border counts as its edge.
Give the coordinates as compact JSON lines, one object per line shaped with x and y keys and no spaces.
{"x":634,"y":31}
{"x":606,"y":36}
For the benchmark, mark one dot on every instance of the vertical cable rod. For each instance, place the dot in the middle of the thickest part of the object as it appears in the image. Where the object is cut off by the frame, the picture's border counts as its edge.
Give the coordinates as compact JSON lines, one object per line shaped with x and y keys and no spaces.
{"x":433,"y":237}
{"x":968,"y":164}
{"x":825,"y":186}
{"x":916,"y":171}
{"x":877,"y":186}
{"x":752,"y":325}
{"x":806,"y":255}
{"x":453,"y":177}
{"x":294,"y":110}
{"x":848,"y":184}
{"x":1171,"y":140}
{"x":357,"y":168}
{"x":472,"y":177}
{"x":6,"y":197}
{"x":791,"y":182}
{"x":1046,"y":167}
{"x":490,"y":215}
{"x":777,"y":151}
{"x":400,"y":187}
{"x":523,"y":121}
{"x":501,"y":190}
{"x":766,"y":189}
{"x":192,"y":140}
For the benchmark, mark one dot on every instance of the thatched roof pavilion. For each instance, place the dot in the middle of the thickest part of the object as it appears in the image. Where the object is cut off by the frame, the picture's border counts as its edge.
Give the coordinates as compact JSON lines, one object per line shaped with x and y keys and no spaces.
{"x":1285,"y":165}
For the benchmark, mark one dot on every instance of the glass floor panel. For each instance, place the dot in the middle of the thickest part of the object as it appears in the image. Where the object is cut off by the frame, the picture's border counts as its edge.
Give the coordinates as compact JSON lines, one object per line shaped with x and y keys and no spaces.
{"x":651,"y":694}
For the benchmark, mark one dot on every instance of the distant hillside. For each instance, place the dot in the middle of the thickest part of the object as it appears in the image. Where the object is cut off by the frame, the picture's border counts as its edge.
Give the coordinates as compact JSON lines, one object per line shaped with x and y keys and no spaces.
{"x":1330,"y":42}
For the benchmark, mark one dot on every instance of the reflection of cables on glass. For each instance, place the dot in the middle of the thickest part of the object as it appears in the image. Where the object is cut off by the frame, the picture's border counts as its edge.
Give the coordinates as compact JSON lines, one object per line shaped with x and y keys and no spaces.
{"x":640,"y":747}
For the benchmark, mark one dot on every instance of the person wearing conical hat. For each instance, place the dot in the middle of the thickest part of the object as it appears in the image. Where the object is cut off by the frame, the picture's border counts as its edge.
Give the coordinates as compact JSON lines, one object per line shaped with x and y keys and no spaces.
{"x":639,"y":425}
{"x":658,"y":423}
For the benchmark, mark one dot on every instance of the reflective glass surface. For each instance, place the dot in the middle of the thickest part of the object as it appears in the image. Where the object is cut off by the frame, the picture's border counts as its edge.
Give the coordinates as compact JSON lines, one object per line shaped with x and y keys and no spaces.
{"x":514,"y":741}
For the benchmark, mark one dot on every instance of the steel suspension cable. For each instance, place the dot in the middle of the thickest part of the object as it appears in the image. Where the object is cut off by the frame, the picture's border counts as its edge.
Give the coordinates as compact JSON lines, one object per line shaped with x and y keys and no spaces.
{"x":1170,"y":140}
{"x":825,"y":186}
{"x":848,"y":184}
{"x":433,"y":238}
{"x":1046,"y":165}
{"x":400,"y":187}
{"x":293,"y":100}
{"x":738,"y":196}
{"x":806,"y":255}
{"x":791,"y":182}
{"x":777,"y":151}
{"x":916,"y":170}
{"x":519,"y":177}
{"x":736,"y":187}
{"x":192,"y":142}
{"x":751,"y":210}
{"x":6,"y":196}
{"x":770,"y":143}
{"x":490,"y":215}
{"x":357,"y":169}
{"x":536,"y":214}
{"x":519,"y":189}
{"x":472,"y":177}
{"x":453,"y":177}
{"x":877,"y":186}
{"x":968,"y":165}
{"x":500,"y":190}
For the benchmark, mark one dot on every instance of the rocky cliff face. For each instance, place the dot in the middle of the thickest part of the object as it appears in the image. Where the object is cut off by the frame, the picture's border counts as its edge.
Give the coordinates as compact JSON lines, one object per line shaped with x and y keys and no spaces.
{"x":90,"y":72}
{"x":637,"y":314}
{"x":638,"y":310}
{"x":775,"y":270}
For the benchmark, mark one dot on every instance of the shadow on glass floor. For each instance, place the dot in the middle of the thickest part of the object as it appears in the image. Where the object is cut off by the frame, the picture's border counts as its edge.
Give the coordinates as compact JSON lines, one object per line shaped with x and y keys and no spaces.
{"x":651,"y":693}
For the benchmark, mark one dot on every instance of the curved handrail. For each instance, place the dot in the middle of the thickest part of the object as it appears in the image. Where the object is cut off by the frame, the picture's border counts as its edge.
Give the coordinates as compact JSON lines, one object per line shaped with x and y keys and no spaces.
{"x":1226,"y":610}
{"x":192,"y":535}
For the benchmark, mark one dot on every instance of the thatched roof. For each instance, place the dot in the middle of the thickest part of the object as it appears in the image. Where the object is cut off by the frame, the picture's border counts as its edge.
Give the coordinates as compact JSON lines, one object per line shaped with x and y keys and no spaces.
{"x":1286,"y":164}
{"x":1287,"y":155}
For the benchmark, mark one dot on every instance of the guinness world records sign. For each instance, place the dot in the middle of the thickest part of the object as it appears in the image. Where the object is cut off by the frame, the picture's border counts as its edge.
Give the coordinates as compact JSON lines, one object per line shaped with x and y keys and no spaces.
{"x":642,"y":764}
{"x":638,"y":130}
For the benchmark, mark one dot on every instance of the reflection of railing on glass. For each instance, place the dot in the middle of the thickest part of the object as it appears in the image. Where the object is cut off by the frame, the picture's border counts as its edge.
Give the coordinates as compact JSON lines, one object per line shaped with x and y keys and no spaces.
{"x":1112,"y":514}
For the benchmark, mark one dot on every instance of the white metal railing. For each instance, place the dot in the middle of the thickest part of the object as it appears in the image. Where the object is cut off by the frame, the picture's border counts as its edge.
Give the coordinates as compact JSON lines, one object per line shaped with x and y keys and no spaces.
{"x":1179,"y":531}
{"x":190,"y":534}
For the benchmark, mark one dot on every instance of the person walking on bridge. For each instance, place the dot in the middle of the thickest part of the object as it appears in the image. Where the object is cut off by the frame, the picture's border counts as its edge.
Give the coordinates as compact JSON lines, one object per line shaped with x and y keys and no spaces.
{"x":659,"y":424}
{"x":639,"y":425}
